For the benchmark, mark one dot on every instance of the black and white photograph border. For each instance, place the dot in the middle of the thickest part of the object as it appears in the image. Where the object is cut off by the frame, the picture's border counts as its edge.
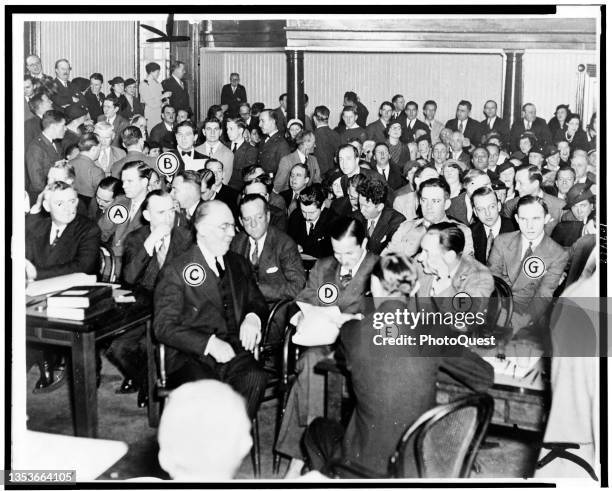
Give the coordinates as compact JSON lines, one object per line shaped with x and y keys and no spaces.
{"x":512,"y":53}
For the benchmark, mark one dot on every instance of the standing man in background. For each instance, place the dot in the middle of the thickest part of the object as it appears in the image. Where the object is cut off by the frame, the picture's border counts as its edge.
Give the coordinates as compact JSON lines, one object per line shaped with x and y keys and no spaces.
{"x":175,"y":84}
{"x":232,"y":96}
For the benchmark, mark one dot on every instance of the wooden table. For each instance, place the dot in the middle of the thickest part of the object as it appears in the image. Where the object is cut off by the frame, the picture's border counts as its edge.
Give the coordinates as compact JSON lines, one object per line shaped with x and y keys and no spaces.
{"x":81,"y":338}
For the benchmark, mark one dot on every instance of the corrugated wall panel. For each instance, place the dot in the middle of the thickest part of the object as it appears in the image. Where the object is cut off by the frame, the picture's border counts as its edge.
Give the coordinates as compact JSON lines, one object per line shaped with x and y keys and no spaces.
{"x":550,"y":79}
{"x":211,"y":79}
{"x":376,"y":77}
{"x":263,"y":73}
{"x":105,"y":47}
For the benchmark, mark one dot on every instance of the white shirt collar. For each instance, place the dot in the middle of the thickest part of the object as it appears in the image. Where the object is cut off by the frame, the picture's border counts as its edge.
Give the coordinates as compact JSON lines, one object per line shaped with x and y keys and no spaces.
{"x":375,"y":220}
{"x":273,"y":133}
{"x":191,"y":210}
{"x":301,"y":155}
{"x":260,"y":243}
{"x":495,"y":228}
{"x":210,"y":258}
{"x":169,"y":127}
{"x":112,"y":120}
{"x":178,"y":80}
{"x":355,"y":125}
{"x":534,"y":243}
{"x":355,"y":268}
{"x":54,"y":229}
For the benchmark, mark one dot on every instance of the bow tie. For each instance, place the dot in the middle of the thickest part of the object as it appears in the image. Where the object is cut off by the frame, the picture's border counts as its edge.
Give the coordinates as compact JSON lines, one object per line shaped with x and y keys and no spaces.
{"x":186,"y":153}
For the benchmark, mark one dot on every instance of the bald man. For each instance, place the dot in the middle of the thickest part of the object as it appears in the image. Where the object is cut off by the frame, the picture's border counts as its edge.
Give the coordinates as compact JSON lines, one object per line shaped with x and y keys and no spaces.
{"x":209,"y":310}
{"x":204,"y":432}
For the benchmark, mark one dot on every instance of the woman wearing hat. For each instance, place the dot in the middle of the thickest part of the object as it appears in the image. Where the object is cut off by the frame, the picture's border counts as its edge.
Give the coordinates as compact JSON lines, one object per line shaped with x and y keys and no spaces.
{"x":559,"y":121}
{"x":133,"y":106}
{"x":398,"y":151}
{"x":152,"y":95}
{"x":294,"y":127}
{"x":117,"y":91}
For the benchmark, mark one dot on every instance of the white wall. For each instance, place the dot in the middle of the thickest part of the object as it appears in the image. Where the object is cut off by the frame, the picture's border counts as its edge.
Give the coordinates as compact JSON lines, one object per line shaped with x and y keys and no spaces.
{"x":375,"y":77}
{"x":263,"y":73}
{"x":107,"y":47}
{"x":550,"y":78}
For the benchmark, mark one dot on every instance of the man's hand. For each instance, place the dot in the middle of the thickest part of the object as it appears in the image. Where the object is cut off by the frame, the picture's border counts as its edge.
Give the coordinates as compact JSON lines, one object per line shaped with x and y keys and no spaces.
{"x":156,"y":235}
{"x":31,"y":272}
{"x":220,"y":350}
{"x":250,"y":333}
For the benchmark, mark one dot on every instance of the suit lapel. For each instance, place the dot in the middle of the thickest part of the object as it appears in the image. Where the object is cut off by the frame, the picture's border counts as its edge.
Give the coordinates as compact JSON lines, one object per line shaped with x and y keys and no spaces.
{"x":514,"y":262}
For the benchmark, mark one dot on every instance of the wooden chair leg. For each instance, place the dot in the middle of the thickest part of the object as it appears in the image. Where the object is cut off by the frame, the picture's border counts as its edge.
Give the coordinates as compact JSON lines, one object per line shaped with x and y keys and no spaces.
{"x":154,"y":409}
{"x":255,"y":454}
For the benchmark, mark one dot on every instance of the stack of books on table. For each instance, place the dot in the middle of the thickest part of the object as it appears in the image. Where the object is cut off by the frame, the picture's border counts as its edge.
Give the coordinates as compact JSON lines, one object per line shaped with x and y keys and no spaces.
{"x":80,"y":302}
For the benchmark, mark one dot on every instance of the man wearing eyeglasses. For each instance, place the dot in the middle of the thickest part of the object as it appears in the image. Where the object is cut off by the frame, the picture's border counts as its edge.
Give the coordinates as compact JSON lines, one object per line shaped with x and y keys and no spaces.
{"x":209,"y":311}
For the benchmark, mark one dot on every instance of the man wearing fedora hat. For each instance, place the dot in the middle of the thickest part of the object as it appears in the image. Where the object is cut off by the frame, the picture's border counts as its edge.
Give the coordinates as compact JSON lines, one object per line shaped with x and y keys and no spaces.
{"x":581,"y":201}
{"x":76,"y":115}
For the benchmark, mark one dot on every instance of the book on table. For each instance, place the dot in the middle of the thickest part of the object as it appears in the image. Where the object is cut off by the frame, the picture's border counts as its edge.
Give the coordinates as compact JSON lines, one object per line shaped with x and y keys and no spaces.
{"x":78,"y":314}
{"x":79,"y":297}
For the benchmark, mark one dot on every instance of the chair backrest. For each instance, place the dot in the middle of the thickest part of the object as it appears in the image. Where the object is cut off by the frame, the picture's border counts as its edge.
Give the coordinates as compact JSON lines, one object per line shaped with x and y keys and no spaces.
{"x":107,"y":269}
{"x":445,"y":439}
{"x":275,"y":312}
{"x":501,"y":300}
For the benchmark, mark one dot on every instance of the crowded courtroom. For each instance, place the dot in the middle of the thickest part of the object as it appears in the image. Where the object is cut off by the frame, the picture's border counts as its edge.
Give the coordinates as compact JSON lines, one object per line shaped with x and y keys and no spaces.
{"x":308,"y":249}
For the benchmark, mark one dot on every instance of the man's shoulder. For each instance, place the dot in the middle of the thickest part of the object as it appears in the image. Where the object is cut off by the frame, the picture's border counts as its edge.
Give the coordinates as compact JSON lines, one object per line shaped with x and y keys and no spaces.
{"x":553,"y":247}
{"x":36,"y":223}
{"x":392,"y":215}
{"x":83,"y":223}
{"x":279,"y":238}
{"x":508,"y":237}
{"x":553,"y":200}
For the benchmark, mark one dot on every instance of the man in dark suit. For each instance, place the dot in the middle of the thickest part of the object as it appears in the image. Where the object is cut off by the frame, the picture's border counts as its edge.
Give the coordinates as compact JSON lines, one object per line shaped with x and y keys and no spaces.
{"x":62,"y":95}
{"x":275,"y":147}
{"x":529,"y":261}
{"x":528,"y":180}
{"x":244,"y":112}
{"x":111,"y":115}
{"x":376,"y":130}
{"x":232,"y":95}
{"x":581,"y":201}
{"x":62,"y":242}
{"x":391,"y":173}
{"x":35,"y":70}
{"x":175,"y":84}
{"x":273,"y":255}
{"x":457,"y":151}
{"x":189,"y":158}
{"x":43,"y":152}
{"x":310,"y":225}
{"x":209,"y":310}
{"x":349,"y":269}
{"x":493,"y":123}
{"x":490,"y":223}
{"x":39,"y":105}
{"x":327,"y":140}
{"x":410,"y":123}
{"x":379,"y":220}
{"x":94,"y":96}
{"x":187,"y":193}
{"x":529,"y":122}
{"x":146,"y":251}
{"x":162,"y":134}
{"x":281,"y":114}
{"x":299,"y":178}
{"x":222,"y":192}
{"x":461,"y":206}
{"x":245,"y":154}
{"x":468,"y":127}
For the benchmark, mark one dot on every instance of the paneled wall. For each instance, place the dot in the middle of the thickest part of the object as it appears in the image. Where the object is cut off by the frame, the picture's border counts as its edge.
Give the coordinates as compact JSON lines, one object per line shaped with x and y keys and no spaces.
{"x":375,"y":77}
{"x":550,"y":78}
{"x":108,"y":47}
{"x":262,"y":72}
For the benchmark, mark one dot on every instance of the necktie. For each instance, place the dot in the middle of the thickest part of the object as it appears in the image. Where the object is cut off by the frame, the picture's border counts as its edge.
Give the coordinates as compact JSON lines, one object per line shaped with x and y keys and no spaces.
{"x":345,"y":279}
{"x":210,"y":151}
{"x":162,"y":252}
{"x":489,"y":243}
{"x":186,"y":153}
{"x":528,"y":125}
{"x":461,"y":126}
{"x":306,"y":160}
{"x":56,"y":148}
{"x":234,"y":146}
{"x":309,"y":227}
{"x":385,"y":174}
{"x":371,"y":227}
{"x":220,"y":270}
{"x":255,"y":254}
{"x":56,"y":238}
{"x":528,"y":252}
